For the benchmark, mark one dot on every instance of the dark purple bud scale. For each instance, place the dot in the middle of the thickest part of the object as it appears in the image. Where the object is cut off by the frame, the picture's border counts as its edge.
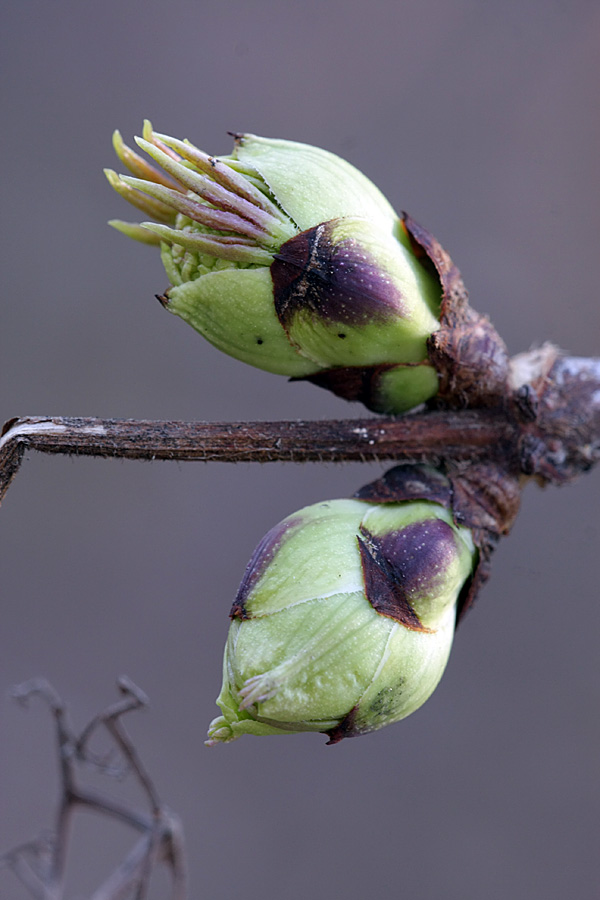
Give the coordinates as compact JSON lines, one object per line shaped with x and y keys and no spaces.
{"x":261,"y":559}
{"x":384,"y":587}
{"x":407,"y":565}
{"x":353,"y":383}
{"x":338,"y":281}
{"x":409,"y":481}
{"x":422,"y":552}
{"x":345,"y":729}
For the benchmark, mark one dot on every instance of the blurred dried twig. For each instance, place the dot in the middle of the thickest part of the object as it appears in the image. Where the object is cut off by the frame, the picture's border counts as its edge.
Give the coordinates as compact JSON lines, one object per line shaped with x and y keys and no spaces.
{"x":40,"y":864}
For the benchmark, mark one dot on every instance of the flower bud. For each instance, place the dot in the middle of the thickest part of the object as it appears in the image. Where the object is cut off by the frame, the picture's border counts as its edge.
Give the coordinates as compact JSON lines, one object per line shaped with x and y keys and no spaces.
{"x":288,"y":258}
{"x":344,"y":619}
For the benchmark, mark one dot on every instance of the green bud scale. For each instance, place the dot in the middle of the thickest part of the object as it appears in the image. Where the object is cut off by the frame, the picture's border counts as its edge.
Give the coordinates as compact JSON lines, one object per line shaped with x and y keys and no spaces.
{"x":344,"y":619}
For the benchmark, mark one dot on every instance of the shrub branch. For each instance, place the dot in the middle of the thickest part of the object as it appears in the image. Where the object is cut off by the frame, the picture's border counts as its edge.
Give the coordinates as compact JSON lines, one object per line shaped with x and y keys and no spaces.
{"x":546,"y":426}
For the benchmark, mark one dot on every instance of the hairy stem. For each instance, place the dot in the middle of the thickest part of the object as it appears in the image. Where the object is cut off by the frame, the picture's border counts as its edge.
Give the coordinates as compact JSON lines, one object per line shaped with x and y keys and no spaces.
{"x":454,"y":435}
{"x":546,"y":426}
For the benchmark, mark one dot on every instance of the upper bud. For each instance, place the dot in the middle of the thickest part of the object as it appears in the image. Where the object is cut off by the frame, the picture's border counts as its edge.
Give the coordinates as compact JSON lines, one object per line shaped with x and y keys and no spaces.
{"x":344,"y":619}
{"x":288,"y":258}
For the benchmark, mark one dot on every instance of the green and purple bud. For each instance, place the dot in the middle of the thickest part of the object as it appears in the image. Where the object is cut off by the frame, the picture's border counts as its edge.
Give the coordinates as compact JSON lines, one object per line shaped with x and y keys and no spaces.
{"x":288,"y":258}
{"x":344,"y":619}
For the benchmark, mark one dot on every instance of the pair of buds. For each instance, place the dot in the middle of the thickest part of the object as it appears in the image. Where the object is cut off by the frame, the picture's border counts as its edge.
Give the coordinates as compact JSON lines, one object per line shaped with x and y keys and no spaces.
{"x":289,"y":259}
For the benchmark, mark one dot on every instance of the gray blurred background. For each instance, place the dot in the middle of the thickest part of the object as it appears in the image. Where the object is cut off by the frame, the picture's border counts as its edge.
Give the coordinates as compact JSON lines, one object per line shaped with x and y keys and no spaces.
{"x":481,"y":119}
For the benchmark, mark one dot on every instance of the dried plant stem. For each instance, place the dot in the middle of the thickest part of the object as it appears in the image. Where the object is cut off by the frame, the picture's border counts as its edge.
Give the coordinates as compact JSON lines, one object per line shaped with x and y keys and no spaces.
{"x":41,"y":865}
{"x":547,"y":426}
{"x":455,"y":435}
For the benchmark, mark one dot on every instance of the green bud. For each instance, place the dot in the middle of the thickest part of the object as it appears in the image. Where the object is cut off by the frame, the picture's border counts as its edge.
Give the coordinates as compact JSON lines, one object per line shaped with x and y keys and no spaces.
{"x":288,"y":258}
{"x":344,"y":619}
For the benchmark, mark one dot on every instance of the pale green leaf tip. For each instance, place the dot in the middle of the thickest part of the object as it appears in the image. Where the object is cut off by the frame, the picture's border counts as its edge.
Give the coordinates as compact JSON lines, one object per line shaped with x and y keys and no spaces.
{"x":135,"y":231}
{"x":112,"y":176}
{"x":117,"y":142}
{"x":144,"y":143}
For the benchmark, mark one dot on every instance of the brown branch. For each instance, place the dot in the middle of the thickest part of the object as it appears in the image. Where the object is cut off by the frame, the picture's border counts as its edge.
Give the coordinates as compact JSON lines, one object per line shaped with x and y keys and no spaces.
{"x":466,"y":434}
{"x":546,"y":425}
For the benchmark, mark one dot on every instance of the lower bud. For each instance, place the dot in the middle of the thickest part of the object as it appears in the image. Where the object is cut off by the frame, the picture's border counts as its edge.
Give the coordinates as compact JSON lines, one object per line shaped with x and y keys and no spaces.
{"x":344,"y":619}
